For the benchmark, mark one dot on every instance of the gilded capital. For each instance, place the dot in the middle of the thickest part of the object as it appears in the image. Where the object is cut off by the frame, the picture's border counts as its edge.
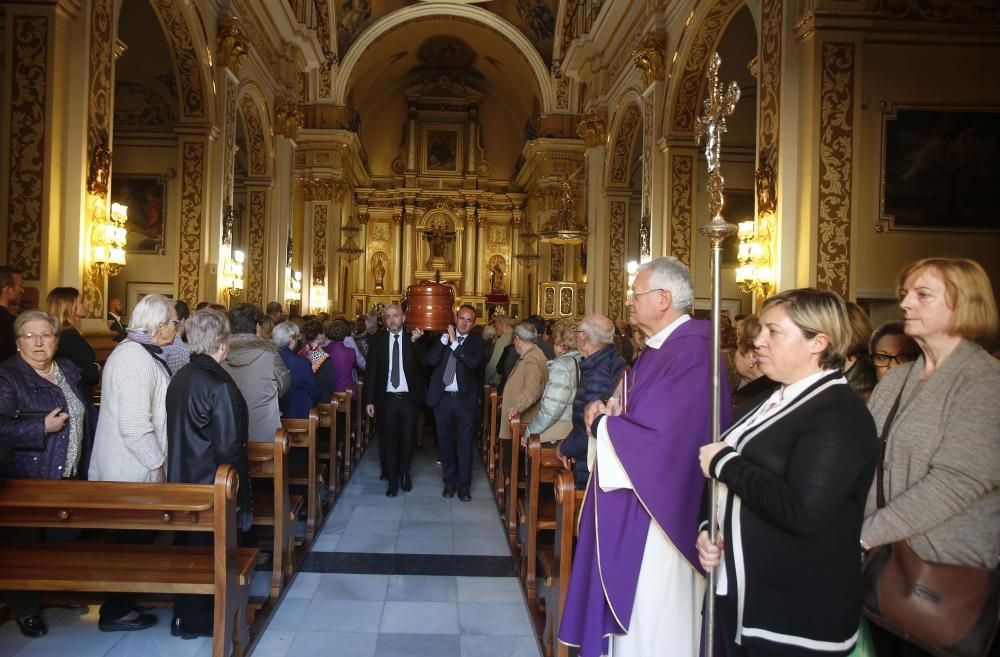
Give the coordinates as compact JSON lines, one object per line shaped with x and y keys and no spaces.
{"x":287,"y":118}
{"x":593,"y":129}
{"x":316,"y":189}
{"x":233,"y":45}
{"x":650,"y":57}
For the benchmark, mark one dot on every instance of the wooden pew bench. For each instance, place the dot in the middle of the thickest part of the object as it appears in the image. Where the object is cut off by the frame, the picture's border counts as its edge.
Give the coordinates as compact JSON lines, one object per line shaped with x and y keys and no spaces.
{"x":275,"y":508}
{"x":569,"y":501}
{"x":303,"y":435}
{"x":537,"y":532}
{"x":326,"y":438}
{"x":222,"y":570}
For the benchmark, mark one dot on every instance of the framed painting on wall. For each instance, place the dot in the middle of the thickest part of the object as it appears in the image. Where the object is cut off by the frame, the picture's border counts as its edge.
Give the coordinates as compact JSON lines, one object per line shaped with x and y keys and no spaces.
{"x":145,"y":197}
{"x":940,"y":168}
{"x":442,"y":149}
{"x":135,"y":292}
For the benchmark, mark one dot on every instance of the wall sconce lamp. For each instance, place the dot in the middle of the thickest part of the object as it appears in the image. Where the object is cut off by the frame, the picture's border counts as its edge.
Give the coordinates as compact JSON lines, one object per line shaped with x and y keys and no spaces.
{"x":755,"y":273}
{"x":293,"y":284}
{"x":318,"y":299}
{"x":232,"y":275}
{"x":632,"y":268}
{"x":107,"y":237}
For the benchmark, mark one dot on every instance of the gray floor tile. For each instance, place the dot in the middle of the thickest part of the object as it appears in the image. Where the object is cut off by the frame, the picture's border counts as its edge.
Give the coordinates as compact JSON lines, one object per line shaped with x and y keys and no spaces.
{"x":421,"y":588}
{"x":424,"y":528}
{"x":440,"y":513}
{"x":343,"y":586}
{"x":361,"y":526}
{"x":418,"y":645}
{"x":494,"y":618}
{"x":288,"y":615}
{"x":376,"y":544}
{"x":332,"y":644}
{"x":326,"y":543}
{"x":474,"y":545}
{"x":379,"y":512}
{"x":274,"y":643}
{"x":304,"y":585}
{"x":488,"y":589}
{"x":424,"y":545}
{"x":342,"y":615}
{"x":420,"y":618}
{"x":498,"y":646}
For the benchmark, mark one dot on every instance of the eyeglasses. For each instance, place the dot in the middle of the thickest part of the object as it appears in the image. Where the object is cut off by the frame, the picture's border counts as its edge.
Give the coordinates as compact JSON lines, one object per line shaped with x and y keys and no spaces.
{"x":883,"y":360}
{"x":632,"y":293}
{"x":38,"y":337}
{"x":176,"y":322}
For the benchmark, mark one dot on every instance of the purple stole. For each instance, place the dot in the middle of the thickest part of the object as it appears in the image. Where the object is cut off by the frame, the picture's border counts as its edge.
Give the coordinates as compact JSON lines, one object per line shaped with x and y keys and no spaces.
{"x":657,"y":441}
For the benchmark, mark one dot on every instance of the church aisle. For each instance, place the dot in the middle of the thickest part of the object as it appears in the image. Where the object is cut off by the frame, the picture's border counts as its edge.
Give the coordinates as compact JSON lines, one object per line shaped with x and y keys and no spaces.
{"x":407,"y":576}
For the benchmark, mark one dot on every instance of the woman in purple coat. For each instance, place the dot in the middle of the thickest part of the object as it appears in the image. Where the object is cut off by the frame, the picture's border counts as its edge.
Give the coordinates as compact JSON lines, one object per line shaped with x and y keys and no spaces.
{"x":44,"y":419}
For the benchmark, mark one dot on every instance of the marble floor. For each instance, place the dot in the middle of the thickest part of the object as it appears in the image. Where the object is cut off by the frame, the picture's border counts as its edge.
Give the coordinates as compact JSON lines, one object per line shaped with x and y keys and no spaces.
{"x":407,"y":576}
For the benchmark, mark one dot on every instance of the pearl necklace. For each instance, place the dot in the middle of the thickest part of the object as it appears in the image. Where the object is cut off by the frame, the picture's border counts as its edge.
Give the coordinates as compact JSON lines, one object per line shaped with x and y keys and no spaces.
{"x":47,"y":374}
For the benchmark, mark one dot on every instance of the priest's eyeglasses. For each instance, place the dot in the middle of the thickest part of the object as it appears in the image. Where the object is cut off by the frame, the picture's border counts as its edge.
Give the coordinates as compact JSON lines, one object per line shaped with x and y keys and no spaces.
{"x":633,"y":294}
{"x":884,"y":360}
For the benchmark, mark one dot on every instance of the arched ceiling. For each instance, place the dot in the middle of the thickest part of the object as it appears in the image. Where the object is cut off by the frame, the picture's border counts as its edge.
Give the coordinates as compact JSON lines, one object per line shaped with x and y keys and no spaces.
{"x":422,"y":50}
{"x":534,"y":18}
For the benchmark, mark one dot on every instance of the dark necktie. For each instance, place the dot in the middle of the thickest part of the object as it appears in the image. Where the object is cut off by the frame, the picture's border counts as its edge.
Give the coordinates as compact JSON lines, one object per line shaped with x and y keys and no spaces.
{"x":394,"y":374}
{"x":449,"y":369}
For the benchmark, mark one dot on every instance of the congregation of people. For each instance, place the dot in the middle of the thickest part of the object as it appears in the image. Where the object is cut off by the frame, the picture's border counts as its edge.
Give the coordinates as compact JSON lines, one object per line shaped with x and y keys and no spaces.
{"x":837,"y":439}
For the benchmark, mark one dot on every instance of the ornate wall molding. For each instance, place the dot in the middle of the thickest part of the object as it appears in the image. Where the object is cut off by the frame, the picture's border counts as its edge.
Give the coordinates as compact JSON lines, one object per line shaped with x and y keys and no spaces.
{"x":192,"y":200}
{"x":256,"y":144}
{"x":645,"y":227}
{"x":186,"y":60}
{"x":688,"y":89}
{"x":593,"y":129}
{"x":287,"y":117}
{"x":320,"y":217}
{"x":621,"y":155}
{"x":229,"y":147}
{"x":255,"y":261}
{"x":29,"y":81}
{"x":616,"y":263}
{"x":650,"y":56}
{"x":939,"y":11}
{"x":232,"y":45}
{"x":681,"y":204}
{"x":769,"y":84}
{"x":836,"y":134}
{"x":557,"y":262}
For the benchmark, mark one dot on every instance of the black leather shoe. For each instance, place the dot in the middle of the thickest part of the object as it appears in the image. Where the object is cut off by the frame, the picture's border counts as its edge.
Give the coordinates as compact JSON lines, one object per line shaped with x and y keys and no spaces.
{"x":382,"y":477}
{"x":140,"y":622}
{"x":177,"y":628}
{"x":464,"y":495}
{"x":391,"y":491}
{"x":449,"y":491}
{"x":32,"y":626}
{"x":406,"y":483}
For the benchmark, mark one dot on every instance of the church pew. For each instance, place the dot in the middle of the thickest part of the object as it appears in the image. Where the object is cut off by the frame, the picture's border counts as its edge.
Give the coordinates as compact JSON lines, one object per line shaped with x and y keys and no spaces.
{"x":221,"y":569}
{"x":359,"y":416}
{"x":493,"y":428}
{"x":346,"y":453}
{"x":302,"y":434}
{"x":328,"y":451}
{"x":514,"y":489}
{"x":544,"y":467}
{"x":275,"y":508}
{"x":484,"y":426}
{"x":569,"y":501}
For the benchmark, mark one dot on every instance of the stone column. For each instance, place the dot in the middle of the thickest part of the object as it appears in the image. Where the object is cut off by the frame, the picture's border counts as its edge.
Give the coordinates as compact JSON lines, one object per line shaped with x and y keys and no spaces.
{"x":279,"y":228}
{"x":400,"y":220}
{"x":593,"y":128}
{"x":470,"y":163}
{"x":409,"y":248}
{"x":513,"y":275}
{"x":470,"y":283}
{"x":412,"y":139}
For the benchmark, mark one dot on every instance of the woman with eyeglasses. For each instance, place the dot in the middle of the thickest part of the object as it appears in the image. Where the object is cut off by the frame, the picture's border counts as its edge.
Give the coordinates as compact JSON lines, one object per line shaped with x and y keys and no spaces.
{"x":43,"y":417}
{"x":941,"y":464}
{"x":891,"y":346}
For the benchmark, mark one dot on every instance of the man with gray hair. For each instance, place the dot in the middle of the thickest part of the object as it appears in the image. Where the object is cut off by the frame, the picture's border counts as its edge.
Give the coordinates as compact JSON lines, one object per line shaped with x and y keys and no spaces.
{"x":600,"y":369}
{"x":502,"y":325}
{"x":639,"y":521}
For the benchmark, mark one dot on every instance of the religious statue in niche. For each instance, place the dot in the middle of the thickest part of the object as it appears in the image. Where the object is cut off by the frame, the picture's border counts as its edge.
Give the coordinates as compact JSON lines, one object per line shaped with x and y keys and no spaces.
{"x":496,"y":269}
{"x":379,"y":261}
{"x":438,"y":237}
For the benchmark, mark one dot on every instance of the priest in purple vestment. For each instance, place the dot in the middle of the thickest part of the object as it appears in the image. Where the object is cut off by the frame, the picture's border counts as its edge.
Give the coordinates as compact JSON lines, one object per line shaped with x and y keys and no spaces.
{"x":636,"y":587}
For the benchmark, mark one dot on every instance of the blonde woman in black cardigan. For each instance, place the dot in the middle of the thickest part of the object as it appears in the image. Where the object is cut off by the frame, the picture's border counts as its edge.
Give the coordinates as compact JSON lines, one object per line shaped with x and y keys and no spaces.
{"x":795,"y":470}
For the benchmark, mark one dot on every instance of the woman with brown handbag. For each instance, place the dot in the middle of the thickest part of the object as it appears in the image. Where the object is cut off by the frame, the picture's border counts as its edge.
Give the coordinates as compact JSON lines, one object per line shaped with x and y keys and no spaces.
{"x":937,"y":497}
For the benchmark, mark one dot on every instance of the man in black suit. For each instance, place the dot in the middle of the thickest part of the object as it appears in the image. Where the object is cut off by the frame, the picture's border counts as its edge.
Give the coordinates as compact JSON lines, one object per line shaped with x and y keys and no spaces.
{"x":394,"y":389}
{"x":115,"y":310}
{"x":453,"y":394}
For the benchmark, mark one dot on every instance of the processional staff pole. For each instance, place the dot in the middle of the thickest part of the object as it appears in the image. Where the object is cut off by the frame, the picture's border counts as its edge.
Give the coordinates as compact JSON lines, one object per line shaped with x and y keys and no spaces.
{"x":719,"y":104}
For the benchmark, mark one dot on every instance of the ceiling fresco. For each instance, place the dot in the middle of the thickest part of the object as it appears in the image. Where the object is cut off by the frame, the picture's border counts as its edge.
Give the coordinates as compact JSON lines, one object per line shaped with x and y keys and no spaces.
{"x":534,"y":18}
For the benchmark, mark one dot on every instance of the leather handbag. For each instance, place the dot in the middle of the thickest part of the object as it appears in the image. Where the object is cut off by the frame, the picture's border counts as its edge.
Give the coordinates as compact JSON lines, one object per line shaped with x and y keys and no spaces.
{"x":944,"y":609}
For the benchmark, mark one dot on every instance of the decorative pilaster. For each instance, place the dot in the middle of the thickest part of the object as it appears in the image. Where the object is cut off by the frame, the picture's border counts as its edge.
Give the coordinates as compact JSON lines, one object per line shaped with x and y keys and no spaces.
{"x":681,"y":202}
{"x":617,"y":280}
{"x":401,"y":219}
{"x":257,"y":200}
{"x":478,"y":245}
{"x":836,"y":140}
{"x":193,"y":152}
{"x":469,"y":281}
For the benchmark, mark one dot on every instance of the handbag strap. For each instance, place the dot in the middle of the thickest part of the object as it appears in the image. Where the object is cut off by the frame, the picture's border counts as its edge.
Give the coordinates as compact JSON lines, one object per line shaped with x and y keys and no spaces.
{"x":883,"y":440}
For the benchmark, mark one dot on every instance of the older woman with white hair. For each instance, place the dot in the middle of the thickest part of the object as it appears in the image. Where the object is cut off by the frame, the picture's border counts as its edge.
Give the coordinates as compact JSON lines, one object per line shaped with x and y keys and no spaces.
{"x":304,"y":392}
{"x":207,"y":426}
{"x":131,"y":439}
